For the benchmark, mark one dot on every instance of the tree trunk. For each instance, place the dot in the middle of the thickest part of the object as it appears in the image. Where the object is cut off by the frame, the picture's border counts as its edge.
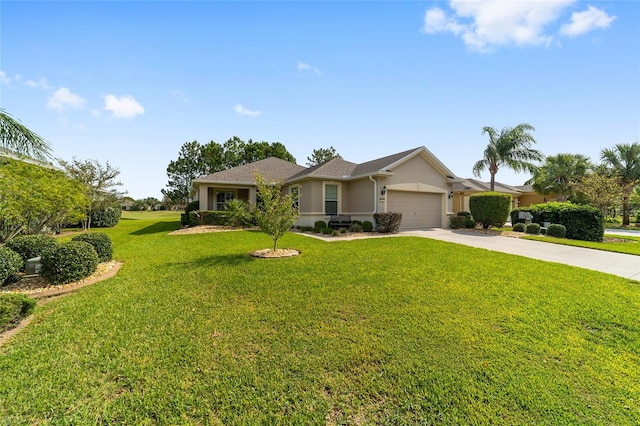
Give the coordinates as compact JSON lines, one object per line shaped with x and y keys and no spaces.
{"x":625,"y":210}
{"x":493,"y":182}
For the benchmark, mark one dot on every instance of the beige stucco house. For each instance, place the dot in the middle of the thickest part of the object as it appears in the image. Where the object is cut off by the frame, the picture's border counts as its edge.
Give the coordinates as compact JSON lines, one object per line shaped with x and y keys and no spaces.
{"x":414,"y":183}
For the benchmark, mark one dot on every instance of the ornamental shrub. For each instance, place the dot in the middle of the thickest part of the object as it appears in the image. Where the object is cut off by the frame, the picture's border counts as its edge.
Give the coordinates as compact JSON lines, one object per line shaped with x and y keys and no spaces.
{"x":367,"y":226}
{"x":106,"y":217}
{"x":69,"y":262}
{"x":10,"y":265}
{"x":469,"y":223}
{"x":519,"y":227}
{"x":490,"y":208}
{"x":533,"y":228}
{"x":464,"y":214}
{"x":387,"y":222}
{"x":101,"y":243}
{"x":236,"y":214}
{"x":457,"y":222}
{"x":319,"y":225}
{"x":355,"y":227}
{"x":556,"y":230}
{"x":29,"y":246}
{"x":210,"y":217}
{"x":582,"y":222}
{"x":13,"y":308}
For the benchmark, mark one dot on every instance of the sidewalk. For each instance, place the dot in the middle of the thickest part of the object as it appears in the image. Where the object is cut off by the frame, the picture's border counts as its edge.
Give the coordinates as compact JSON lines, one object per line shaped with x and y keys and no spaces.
{"x":623,"y":265}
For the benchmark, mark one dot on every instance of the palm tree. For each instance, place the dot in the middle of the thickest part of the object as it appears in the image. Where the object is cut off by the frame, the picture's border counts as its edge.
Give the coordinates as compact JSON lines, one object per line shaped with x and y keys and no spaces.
{"x":15,"y":136}
{"x":560,"y":174}
{"x":624,"y":161}
{"x":510,"y":147}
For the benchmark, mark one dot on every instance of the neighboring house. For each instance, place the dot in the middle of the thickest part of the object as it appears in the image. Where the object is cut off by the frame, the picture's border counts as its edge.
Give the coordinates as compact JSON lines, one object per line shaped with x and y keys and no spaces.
{"x":522,"y":196}
{"x":127,"y":205}
{"x":414,"y":183}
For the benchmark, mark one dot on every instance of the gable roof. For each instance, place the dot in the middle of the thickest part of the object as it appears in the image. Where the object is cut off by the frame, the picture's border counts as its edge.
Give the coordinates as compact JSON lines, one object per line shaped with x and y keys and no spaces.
{"x":337,"y":168}
{"x":271,"y":168}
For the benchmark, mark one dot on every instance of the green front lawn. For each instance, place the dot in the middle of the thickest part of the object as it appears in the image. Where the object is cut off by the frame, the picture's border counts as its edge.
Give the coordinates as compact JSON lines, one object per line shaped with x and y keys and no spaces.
{"x":392,"y":330}
{"x":631,"y":246}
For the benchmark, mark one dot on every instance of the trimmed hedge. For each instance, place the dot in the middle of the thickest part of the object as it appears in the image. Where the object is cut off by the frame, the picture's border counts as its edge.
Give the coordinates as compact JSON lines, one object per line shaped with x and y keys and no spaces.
{"x":69,"y":262}
{"x":13,"y":308}
{"x":101,"y":243}
{"x":457,"y":222}
{"x":581,"y":222}
{"x":106,"y":217}
{"x":533,"y":228}
{"x":556,"y":230}
{"x":388,"y":223}
{"x":367,"y":226}
{"x":319,"y":225}
{"x":519,"y":227}
{"x":490,"y":208}
{"x":30,"y":246}
{"x":10,"y":264}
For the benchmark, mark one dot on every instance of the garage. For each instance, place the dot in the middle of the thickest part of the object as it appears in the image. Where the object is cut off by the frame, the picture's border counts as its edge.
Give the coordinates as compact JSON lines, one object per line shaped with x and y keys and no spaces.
{"x":419,"y":209}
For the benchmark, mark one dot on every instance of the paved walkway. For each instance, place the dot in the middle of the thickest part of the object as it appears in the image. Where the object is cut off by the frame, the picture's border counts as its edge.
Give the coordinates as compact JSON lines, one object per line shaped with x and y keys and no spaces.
{"x":623,"y":265}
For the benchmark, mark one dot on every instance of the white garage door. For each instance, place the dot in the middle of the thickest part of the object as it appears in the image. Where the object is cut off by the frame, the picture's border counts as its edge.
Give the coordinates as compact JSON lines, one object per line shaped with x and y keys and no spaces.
{"x":419,"y":209}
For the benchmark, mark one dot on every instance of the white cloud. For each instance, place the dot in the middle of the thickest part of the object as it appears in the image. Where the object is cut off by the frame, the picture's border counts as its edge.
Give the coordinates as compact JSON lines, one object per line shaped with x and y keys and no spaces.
{"x":181,"y":95}
{"x":583,"y":22}
{"x":123,"y":106}
{"x":302,"y":67}
{"x":63,"y":98}
{"x":486,"y":24}
{"x":6,"y":80}
{"x":40,"y":84}
{"x":244,"y":111}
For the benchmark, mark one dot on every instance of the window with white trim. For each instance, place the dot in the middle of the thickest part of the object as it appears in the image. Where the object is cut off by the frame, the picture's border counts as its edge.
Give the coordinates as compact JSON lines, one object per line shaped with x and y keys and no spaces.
{"x":330,"y":199}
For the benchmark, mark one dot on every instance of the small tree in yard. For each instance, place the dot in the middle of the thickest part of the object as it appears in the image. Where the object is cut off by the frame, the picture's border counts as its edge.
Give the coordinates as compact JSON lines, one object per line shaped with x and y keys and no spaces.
{"x":276,"y":213}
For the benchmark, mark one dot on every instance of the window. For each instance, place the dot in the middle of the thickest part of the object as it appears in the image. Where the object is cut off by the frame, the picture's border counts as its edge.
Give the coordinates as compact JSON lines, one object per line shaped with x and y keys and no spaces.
{"x":221,"y":197}
{"x":331,"y":199}
{"x":295,"y":192}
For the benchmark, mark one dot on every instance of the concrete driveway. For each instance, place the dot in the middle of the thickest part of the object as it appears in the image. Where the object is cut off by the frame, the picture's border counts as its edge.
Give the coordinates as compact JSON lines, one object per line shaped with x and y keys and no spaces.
{"x":623,"y":265}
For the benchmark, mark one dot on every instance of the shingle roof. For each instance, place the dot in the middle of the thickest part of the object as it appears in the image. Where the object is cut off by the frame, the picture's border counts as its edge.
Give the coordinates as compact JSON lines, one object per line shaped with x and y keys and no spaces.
{"x":337,"y":168}
{"x":271,"y":168}
{"x":476,"y":185}
{"x":381,"y":164}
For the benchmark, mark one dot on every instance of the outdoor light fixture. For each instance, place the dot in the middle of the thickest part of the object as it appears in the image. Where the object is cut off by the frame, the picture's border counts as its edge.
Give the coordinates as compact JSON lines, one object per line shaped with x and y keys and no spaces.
{"x":451,"y":194}
{"x":384,"y":190}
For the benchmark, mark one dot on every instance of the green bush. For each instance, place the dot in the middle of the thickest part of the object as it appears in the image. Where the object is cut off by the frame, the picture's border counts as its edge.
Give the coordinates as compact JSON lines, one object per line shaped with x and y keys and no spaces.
{"x":387,"y":222}
{"x":490,"y":208}
{"x":582,"y":222}
{"x":236,"y":214}
{"x":519,"y":227}
{"x":469,"y":223}
{"x":533,"y":228}
{"x":101,"y":243}
{"x":367,"y":226}
{"x":319,"y":225}
{"x":10,"y":265}
{"x":556,"y":230}
{"x":464,"y":214}
{"x":106,"y":217}
{"x":211,"y":217}
{"x":457,"y":222}
{"x":13,"y":308}
{"x":187,"y":218}
{"x":30,"y":246}
{"x":355,"y":227}
{"x":328,"y":231}
{"x":69,"y":262}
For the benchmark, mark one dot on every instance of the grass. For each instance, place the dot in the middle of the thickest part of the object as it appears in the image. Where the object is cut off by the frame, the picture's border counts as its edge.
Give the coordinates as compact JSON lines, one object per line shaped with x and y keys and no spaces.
{"x":631,"y":246}
{"x":394,"y":330}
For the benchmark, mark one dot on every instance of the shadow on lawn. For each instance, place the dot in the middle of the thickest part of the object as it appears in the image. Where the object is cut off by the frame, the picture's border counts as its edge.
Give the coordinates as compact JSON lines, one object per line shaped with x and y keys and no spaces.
{"x":225,"y":259}
{"x":157,"y":227}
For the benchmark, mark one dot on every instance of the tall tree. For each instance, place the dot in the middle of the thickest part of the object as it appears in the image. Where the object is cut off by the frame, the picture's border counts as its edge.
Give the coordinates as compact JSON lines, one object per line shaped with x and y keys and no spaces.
{"x":511,"y":147}
{"x":99,"y":182}
{"x":321,"y":155}
{"x":624,"y":161}
{"x":17,"y":137}
{"x":35,"y":199}
{"x":195,"y":160}
{"x":560,"y":174}
{"x":600,"y":190}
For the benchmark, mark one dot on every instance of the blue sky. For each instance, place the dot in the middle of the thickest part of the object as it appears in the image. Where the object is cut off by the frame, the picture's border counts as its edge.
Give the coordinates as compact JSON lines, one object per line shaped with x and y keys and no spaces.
{"x":130,"y":82}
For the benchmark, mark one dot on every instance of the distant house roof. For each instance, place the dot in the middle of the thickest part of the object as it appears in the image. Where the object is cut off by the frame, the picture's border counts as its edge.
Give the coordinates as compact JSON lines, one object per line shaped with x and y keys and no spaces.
{"x":476,"y":185}
{"x":336,"y":168}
